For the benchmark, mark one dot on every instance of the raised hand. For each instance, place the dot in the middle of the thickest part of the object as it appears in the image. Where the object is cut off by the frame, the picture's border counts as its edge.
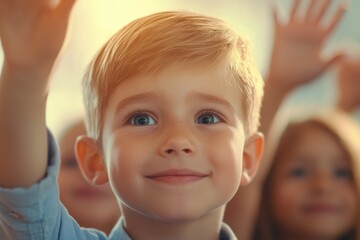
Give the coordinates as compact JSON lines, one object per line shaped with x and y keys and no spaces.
{"x":296,"y":59}
{"x":349,"y":84}
{"x":32,"y":32}
{"x":298,"y":44}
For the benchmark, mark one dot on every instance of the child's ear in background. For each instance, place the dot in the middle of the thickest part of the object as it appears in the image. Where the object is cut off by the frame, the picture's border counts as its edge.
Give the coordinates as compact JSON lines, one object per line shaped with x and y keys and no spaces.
{"x":90,"y":159}
{"x":253,"y":152}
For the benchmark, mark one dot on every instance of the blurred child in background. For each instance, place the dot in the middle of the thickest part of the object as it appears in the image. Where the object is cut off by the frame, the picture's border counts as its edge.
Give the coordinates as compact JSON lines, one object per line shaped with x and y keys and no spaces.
{"x":297,"y":59}
{"x":312,"y":188}
{"x":91,"y":206}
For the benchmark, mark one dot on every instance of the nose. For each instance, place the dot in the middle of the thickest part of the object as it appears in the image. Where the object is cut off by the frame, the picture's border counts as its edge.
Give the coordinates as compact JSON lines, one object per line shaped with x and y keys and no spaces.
{"x":178,"y":140}
{"x":321,"y":183}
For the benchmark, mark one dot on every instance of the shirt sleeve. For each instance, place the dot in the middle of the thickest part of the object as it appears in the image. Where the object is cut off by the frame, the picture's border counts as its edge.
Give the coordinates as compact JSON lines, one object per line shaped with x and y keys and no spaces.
{"x":36,"y":212}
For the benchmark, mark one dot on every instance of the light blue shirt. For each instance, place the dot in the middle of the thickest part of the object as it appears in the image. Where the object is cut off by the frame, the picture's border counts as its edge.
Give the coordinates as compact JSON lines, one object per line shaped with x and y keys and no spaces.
{"x":36,"y":213}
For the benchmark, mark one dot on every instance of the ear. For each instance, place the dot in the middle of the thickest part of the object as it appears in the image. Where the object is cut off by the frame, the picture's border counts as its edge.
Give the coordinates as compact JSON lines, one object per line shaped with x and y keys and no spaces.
{"x":253,"y":152}
{"x":90,"y":160}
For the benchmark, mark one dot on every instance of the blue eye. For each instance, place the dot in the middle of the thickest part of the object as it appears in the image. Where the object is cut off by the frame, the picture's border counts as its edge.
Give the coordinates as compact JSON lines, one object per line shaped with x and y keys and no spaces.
{"x":141,"y":120}
{"x":298,"y":172}
{"x":343,"y":173}
{"x":207,"y":118}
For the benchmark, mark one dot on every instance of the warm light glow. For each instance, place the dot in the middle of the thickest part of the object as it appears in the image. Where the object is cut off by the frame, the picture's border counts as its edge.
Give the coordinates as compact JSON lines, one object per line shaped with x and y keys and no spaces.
{"x":95,"y":21}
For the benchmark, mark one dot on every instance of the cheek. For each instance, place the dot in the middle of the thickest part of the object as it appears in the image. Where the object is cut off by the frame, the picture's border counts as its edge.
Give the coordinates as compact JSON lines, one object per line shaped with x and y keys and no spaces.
{"x":225,"y":154}
{"x":124,"y":161}
{"x":351,"y":198}
{"x":285,"y":198}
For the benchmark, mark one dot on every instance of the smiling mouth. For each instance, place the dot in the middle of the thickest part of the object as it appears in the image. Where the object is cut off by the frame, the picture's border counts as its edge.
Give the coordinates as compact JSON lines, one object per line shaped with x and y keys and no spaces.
{"x":321,"y":208}
{"x":177,"y":176}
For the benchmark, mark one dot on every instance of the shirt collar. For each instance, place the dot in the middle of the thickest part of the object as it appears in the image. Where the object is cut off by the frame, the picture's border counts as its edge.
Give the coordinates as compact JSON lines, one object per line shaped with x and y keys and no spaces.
{"x":119,"y":232}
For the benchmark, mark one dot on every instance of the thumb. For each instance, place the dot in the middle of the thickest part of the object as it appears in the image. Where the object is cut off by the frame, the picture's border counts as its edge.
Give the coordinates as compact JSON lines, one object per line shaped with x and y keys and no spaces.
{"x":335,"y":59}
{"x":65,"y":6}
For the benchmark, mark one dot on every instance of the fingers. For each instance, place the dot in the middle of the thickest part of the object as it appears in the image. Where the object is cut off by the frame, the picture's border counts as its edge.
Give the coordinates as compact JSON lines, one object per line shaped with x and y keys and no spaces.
{"x":323,"y":8}
{"x":65,"y":6}
{"x":53,"y":3}
{"x":274,"y":11}
{"x":294,"y":11}
{"x":340,"y":11}
{"x":311,"y":9}
{"x":21,"y":9}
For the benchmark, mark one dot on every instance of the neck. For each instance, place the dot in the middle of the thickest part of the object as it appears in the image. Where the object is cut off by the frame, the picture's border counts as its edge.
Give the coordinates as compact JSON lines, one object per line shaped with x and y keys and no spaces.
{"x":104,"y":226}
{"x":140,"y":227}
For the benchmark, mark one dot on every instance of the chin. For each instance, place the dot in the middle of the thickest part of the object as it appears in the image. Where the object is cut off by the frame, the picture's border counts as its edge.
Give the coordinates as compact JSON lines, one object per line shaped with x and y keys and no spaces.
{"x":175,"y":217}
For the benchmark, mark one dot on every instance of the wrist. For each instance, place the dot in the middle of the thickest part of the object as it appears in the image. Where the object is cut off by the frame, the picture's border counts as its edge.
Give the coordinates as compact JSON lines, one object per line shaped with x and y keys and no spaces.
{"x":276,"y":86}
{"x":37,"y":72}
{"x":346,"y":106}
{"x":30,"y":83}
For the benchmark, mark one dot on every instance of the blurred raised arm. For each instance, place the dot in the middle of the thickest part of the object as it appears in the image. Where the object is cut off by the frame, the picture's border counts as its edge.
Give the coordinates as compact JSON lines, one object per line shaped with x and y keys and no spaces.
{"x":296,"y":59}
{"x":348,"y":81}
{"x":297,"y":56}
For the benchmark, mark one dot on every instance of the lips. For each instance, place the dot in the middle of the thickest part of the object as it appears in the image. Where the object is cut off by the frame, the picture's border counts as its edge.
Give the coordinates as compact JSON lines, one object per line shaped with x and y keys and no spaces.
{"x":321,"y":208}
{"x":177,"y":176}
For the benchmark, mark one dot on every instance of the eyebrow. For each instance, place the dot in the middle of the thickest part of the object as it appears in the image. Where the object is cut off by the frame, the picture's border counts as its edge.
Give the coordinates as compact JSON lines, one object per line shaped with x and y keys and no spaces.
{"x":142,"y":97}
{"x":193,"y":97}
{"x":196,"y":96}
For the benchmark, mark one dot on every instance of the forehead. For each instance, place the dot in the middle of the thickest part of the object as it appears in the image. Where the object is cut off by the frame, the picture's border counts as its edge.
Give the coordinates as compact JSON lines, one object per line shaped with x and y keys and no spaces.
{"x":180,"y":82}
{"x":314,"y":144}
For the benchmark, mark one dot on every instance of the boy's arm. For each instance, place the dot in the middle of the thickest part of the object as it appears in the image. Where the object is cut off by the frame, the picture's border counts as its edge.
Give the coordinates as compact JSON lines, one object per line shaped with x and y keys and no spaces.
{"x":32,"y":34}
{"x":348,"y":80}
{"x":296,"y":59}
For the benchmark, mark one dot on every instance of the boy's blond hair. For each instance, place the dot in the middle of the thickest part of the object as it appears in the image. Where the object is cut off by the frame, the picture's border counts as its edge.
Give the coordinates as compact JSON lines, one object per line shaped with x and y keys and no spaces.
{"x":151,"y":43}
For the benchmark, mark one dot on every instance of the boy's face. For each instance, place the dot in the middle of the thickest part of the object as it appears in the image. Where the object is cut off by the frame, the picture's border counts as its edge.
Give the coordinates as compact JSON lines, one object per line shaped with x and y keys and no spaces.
{"x":173,"y":143}
{"x":313,"y":191}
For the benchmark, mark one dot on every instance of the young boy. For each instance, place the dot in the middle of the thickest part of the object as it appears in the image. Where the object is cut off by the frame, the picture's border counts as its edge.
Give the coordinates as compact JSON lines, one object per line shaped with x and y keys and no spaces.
{"x":172,"y":103}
